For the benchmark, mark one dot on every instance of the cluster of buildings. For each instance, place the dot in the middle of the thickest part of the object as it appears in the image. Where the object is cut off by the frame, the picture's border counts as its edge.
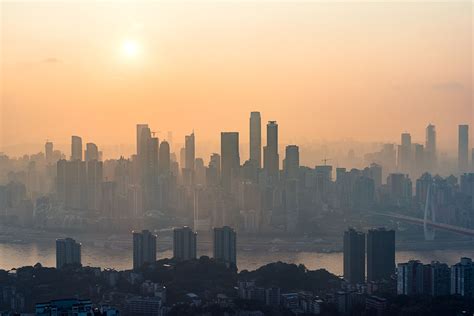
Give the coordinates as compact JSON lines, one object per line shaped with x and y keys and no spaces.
{"x":377,"y":248}
{"x":435,"y":278}
{"x":68,"y":251}
{"x":269,"y":192}
{"x":370,"y":280}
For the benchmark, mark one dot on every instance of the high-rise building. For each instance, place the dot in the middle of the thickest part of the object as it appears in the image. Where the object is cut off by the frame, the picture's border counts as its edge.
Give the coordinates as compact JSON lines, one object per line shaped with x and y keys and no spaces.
{"x":225,"y":245}
{"x":410,"y":278}
{"x":463,"y":148}
{"x":184,"y":243}
{"x":374,"y":172}
{"x":76,"y":148}
{"x":419,"y":159}
{"x":94,"y":184}
{"x":48,"y":150}
{"x":190,"y":154}
{"x":462,"y":278}
{"x":71,"y":184}
{"x":164,"y":158}
{"x":292,"y":162}
{"x":92,"y":152}
{"x":430,"y":148}
{"x":271,"y":162}
{"x":147,"y":167}
{"x":140,"y":142}
{"x":405,"y":154}
{"x":399,"y":189}
{"x":380,"y":254}
{"x":68,"y":251}
{"x":143,"y":140}
{"x":144,"y":248}
{"x":213,"y":171}
{"x":291,"y":204}
{"x":354,"y":256}
{"x":230,"y":158}
{"x":182,"y":158}
{"x":256,"y":139}
{"x":437,"y":277}
{"x":151,"y":188}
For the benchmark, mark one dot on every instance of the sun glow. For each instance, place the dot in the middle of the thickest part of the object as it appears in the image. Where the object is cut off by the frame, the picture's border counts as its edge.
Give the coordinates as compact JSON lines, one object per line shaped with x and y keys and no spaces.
{"x":130,"y":48}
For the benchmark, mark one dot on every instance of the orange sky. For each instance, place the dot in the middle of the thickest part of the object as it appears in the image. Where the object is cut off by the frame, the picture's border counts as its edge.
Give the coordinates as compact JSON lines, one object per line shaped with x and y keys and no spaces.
{"x":323,"y":70}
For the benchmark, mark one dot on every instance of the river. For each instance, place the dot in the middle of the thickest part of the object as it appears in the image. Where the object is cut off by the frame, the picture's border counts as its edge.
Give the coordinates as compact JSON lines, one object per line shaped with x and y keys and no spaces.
{"x":14,"y":255}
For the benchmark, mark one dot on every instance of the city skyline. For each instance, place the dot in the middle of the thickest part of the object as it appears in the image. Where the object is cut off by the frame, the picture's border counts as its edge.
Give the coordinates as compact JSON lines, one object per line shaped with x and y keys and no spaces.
{"x":144,"y":68}
{"x":237,"y":158}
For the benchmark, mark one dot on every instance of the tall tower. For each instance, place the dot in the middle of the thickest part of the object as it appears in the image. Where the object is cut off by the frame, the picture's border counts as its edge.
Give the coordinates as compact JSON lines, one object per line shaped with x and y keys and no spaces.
{"x":48,"y":150}
{"x":225,"y":245}
{"x":68,"y":251}
{"x":76,"y":148}
{"x":164,"y":158}
{"x":140,"y":128}
{"x":405,"y":153}
{"x":230,"y":158}
{"x":270,"y":152}
{"x":92,"y":152}
{"x":256,"y":139}
{"x":190,"y":153}
{"x":184,"y":243}
{"x":144,"y":248}
{"x":430,"y":148}
{"x":463,"y":148}
{"x":380,"y":254}
{"x":354,"y":256}
{"x":292,"y":162}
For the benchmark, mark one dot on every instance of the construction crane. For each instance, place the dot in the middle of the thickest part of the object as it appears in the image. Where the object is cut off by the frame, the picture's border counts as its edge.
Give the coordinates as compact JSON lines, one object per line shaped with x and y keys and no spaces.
{"x":325,"y":160}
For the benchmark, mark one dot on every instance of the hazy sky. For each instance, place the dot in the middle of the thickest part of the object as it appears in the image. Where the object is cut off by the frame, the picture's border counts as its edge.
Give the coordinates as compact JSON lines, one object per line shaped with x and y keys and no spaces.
{"x":323,"y":70}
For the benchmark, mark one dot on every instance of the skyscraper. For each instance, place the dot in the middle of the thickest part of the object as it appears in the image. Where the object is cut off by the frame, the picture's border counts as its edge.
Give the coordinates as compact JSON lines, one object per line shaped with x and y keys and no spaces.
{"x":463,"y":148}
{"x":292,"y":161}
{"x":462,"y":278}
{"x":354,"y":256}
{"x":225,"y":245}
{"x":418,"y":159}
{"x":71,"y":184}
{"x":213,"y":171}
{"x":143,"y":139}
{"x":76,"y":148}
{"x":190,"y":156}
{"x":144,"y":248}
{"x":230,"y":158}
{"x":410,"y":278}
{"x":437,"y":279}
{"x":151,"y":175}
{"x":140,"y":128}
{"x":380,"y":254}
{"x":256,"y":139}
{"x":430,"y":148}
{"x":164,"y":158}
{"x":48,"y":150}
{"x":184,"y":243}
{"x":270,"y":152}
{"x":405,"y":154}
{"x":68,"y":251}
{"x":94,"y":184}
{"x":92,"y":152}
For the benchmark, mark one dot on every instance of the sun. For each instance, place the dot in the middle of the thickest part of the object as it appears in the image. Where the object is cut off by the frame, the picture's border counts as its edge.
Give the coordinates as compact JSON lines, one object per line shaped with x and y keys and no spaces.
{"x":130,"y":48}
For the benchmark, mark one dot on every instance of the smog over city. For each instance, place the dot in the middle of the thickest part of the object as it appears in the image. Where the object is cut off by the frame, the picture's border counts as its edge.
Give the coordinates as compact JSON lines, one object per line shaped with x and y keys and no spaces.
{"x":236,"y":158}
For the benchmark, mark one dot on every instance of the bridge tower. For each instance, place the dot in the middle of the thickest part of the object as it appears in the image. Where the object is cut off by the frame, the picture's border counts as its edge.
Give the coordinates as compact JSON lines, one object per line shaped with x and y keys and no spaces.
{"x":430,"y":213}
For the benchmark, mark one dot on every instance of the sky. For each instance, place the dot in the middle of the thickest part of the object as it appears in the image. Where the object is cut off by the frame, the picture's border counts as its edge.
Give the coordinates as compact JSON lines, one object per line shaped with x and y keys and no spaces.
{"x":364,"y":70}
